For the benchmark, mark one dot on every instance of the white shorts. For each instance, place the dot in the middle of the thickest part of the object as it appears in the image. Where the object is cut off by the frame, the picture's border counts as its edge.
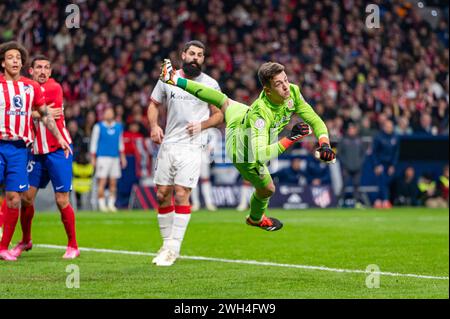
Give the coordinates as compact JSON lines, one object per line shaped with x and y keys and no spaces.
{"x":106,"y":166}
{"x":178,"y":164}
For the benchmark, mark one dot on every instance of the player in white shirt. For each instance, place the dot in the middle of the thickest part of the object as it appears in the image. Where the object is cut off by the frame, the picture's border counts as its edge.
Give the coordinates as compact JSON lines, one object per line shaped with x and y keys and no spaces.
{"x":177,"y":167}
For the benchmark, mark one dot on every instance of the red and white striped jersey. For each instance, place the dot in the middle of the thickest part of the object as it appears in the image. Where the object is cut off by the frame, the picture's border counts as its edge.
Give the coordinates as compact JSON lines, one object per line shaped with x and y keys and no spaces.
{"x":17,"y":100}
{"x":44,"y":141}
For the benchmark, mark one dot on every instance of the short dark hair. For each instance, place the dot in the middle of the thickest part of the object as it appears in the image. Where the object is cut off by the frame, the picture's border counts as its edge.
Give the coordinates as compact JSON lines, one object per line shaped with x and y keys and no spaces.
{"x":13,"y":45}
{"x":39,"y":57}
{"x":194,"y":43}
{"x":267,"y":71}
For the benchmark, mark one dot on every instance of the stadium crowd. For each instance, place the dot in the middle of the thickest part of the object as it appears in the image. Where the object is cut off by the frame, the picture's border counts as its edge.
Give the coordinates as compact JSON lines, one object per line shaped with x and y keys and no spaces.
{"x":351,"y":74}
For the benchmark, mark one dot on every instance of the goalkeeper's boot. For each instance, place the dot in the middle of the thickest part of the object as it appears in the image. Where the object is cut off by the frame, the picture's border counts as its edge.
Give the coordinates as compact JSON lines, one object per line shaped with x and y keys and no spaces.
{"x":168,"y":73}
{"x":266,"y":223}
{"x":20,"y":248}
{"x":168,"y":258}
{"x":71,"y":253}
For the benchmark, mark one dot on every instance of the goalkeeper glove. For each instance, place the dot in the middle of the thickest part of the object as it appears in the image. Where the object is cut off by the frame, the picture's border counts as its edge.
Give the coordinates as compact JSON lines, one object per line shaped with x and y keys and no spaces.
{"x":299,"y":131}
{"x":325,"y":153}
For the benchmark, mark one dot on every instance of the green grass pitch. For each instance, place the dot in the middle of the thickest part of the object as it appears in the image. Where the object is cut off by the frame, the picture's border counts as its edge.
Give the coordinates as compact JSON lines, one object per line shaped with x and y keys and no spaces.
{"x":398,"y":241}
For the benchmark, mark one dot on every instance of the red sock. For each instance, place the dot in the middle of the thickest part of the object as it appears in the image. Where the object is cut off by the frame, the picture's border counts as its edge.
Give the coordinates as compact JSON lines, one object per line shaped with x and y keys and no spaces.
{"x":26,"y":218}
{"x":3,"y":212}
{"x":11,"y":216}
{"x":183,"y":209}
{"x":68,"y":219}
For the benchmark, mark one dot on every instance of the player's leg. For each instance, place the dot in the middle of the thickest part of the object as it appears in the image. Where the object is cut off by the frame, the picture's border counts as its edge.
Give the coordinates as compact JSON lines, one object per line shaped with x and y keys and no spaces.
{"x":68,"y":220}
{"x":14,"y":157}
{"x":166,"y":212}
{"x":112,"y":186}
{"x":187,"y":162}
{"x":60,"y":172}
{"x":164,"y":181}
{"x":1,"y":217}
{"x":102,"y":167}
{"x":11,"y":218}
{"x":259,"y":177}
{"x":114,"y":174}
{"x":26,"y":219}
{"x":101,"y":185}
{"x":180,"y":223}
{"x":37,"y":176}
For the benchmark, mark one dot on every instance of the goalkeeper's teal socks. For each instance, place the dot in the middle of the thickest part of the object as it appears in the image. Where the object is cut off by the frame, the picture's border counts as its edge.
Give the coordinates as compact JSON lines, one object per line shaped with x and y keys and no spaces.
{"x":257,"y":207}
{"x":202,"y":92}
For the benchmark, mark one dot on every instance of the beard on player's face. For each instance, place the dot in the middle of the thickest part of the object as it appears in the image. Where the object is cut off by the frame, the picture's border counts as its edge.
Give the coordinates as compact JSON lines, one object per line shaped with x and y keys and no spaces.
{"x":192,"y":68}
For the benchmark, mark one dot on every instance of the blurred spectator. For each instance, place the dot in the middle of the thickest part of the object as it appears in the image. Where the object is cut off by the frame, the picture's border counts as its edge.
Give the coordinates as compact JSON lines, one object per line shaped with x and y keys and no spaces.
{"x":292,"y":175}
{"x":404,"y":189}
{"x":426,"y":127}
{"x":317,"y":173}
{"x":385,"y":157}
{"x":352,"y":153}
{"x":402,"y":127}
{"x":428,"y":192}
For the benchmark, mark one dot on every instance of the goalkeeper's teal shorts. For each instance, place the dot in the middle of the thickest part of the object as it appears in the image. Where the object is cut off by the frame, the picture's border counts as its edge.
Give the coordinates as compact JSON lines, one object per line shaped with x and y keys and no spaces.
{"x":256,"y":173}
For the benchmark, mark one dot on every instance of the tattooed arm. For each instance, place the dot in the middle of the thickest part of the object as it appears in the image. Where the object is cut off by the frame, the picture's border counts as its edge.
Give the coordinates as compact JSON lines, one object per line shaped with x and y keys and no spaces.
{"x":49,"y":122}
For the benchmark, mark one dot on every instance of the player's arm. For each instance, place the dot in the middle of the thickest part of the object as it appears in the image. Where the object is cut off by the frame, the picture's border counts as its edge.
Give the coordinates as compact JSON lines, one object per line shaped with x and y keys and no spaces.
{"x":94,"y":143}
{"x":307,"y":113}
{"x":215,"y":118}
{"x":157,"y":97}
{"x":49,"y":122}
{"x":54,"y":93}
{"x":265,"y":144}
{"x":123,"y":158}
{"x":156,"y":132}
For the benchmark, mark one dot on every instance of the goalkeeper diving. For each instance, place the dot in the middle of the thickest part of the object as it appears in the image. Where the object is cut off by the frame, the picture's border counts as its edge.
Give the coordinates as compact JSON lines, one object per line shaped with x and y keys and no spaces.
{"x":252,"y":132}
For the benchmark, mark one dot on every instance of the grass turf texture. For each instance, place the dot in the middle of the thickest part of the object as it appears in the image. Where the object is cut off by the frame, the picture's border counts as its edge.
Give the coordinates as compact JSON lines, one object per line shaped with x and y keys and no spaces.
{"x":407,"y":241}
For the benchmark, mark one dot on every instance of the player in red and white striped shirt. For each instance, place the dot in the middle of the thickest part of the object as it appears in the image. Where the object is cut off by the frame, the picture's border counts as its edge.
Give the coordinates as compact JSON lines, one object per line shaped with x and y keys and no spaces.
{"x":48,"y":163}
{"x":19,"y":98}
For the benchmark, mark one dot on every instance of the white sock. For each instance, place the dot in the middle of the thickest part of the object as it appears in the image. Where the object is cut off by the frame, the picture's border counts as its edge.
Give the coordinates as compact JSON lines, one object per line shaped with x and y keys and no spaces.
{"x":206,"y":192}
{"x":102,"y":202}
{"x":112,"y":201}
{"x":180,"y":223}
{"x":165,"y":222}
{"x":195,"y":196}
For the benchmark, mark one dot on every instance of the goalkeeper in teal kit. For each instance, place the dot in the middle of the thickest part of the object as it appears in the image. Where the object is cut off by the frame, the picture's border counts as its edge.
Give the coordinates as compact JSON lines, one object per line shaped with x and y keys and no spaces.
{"x":250,"y":131}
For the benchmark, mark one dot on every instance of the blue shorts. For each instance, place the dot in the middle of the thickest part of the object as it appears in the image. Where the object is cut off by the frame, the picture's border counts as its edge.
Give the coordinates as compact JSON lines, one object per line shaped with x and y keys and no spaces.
{"x":53,"y":167}
{"x":13,"y":165}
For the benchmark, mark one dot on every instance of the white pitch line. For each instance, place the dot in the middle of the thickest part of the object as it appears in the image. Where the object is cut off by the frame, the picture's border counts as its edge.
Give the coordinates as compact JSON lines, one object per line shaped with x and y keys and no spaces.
{"x":249,"y":262}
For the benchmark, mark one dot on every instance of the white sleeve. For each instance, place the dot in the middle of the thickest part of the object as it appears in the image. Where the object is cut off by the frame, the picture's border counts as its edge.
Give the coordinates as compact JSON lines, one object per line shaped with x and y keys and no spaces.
{"x":159,"y":92}
{"x":94,"y":139}
{"x":121,"y":145}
